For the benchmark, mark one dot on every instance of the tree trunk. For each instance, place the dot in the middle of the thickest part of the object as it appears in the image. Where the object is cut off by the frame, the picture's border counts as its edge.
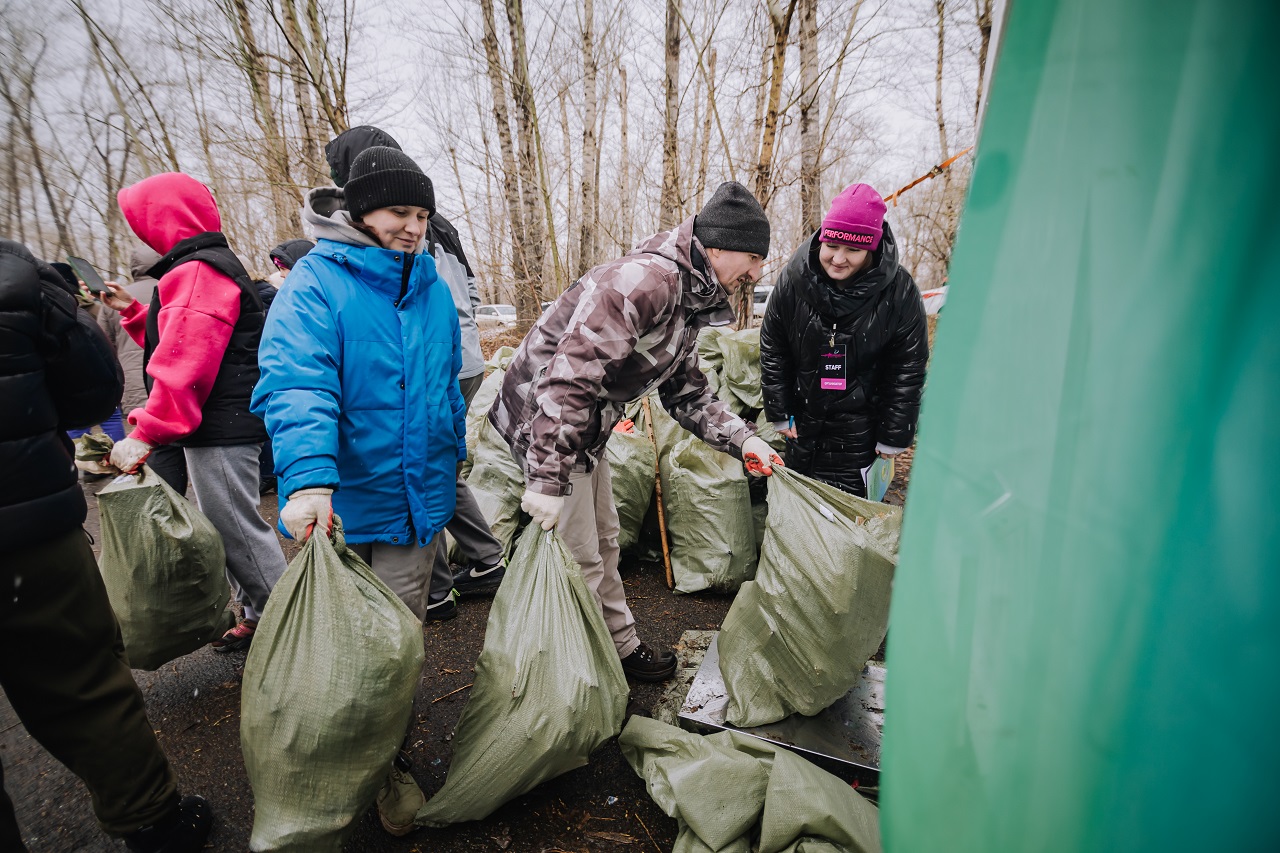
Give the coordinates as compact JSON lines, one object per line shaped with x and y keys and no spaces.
{"x":330,"y":80}
{"x":780,"y":20}
{"x":624,"y":166}
{"x":285,"y":198}
{"x":520,"y":267}
{"x":940,"y":6}
{"x":528,"y":299}
{"x":669,"y":208}
{"x":983,"y":8}
{"x":810,"y":138}
{"x":312,"y":150}
{"x":590,"y":148}
{"x":833,"y":102}
{"x":21,"y":103}
{"x":706,"y":127}
{"x":571,"y":204}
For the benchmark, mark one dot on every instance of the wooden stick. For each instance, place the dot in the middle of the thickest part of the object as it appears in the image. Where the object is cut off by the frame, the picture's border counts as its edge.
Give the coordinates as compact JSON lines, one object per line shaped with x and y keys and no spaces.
{"x":657,"y":490}
{"x":450,"y":693}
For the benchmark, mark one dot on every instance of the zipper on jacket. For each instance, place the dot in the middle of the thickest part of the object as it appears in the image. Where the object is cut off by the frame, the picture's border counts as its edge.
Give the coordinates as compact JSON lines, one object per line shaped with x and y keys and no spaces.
{"x":404,"y":277}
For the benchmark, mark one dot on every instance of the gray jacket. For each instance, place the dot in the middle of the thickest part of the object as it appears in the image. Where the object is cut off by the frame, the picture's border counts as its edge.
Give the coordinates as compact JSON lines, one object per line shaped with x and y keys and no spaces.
{"x":129,"y":353}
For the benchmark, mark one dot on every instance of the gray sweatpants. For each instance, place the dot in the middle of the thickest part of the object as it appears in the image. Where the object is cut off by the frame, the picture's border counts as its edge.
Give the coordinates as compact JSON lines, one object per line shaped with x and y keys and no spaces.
{"x":225,"y":482}
{"x":405,"y":569}
{"x":468,"y":527}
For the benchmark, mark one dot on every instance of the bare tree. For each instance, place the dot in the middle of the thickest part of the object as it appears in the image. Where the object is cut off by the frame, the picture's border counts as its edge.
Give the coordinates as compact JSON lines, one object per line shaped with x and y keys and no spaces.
{"x":587,"y":243}
{"x":669,"y":207}
{"x":780,"y":23}
{"x":528,"y":298}
{"x":810,"y":137}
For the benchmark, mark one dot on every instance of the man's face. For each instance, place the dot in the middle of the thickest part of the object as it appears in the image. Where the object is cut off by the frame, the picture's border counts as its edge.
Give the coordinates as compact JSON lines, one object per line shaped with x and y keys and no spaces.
{"x":399,"y":227}
{"x":734,"y":268}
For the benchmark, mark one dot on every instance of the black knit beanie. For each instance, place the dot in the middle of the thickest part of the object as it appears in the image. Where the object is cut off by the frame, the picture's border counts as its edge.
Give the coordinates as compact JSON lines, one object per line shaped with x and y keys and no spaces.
{"x":733,"y":220}
{"x":290,"y":252}
{"x":385,"y":177}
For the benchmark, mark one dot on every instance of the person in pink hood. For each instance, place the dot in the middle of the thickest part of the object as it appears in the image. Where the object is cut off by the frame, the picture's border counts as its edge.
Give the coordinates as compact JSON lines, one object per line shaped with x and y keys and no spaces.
{"x":200,"y":339}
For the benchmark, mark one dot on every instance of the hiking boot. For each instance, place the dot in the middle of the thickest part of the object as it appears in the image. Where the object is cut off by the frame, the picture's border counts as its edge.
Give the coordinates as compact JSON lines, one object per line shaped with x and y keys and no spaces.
{"x":444,"y":609}
{"x":479,"y":580}
{"x":266,"y":486}
{"x":237,"y":639}
{"x":399,"y":800}
{"x":185,"y":830}
{"x":644,"y":664}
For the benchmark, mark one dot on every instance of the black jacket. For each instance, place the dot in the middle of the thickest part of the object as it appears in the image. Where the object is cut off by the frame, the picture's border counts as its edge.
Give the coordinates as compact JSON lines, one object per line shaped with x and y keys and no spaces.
{"x":225,"y":418}
{"x":879,"y":319}
{"x":57,"y":372}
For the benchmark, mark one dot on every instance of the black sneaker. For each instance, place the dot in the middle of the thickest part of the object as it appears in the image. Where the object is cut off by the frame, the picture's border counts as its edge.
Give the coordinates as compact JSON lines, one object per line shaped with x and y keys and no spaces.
{"x":185,"y":830}
{"x":478,"y":580}
{"x":266,"y":486}
{"x":444,"y":609}
{"x":644,"y":664}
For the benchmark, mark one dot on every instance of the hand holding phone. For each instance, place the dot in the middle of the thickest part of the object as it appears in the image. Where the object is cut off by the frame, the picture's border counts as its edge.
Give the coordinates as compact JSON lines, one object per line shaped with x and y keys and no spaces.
{"x":87,"y":275}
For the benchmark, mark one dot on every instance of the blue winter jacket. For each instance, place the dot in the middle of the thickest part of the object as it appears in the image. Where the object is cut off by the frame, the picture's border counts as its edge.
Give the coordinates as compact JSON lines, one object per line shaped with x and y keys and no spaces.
{"x":359,"y":389}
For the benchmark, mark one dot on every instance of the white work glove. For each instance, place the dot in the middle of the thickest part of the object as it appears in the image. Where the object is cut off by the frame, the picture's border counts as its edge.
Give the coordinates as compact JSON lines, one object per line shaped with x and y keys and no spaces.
{"x":543,"y":509}
{"x":128,"y":453}
{"x":308,"y":508}
{"x":759,"y":457}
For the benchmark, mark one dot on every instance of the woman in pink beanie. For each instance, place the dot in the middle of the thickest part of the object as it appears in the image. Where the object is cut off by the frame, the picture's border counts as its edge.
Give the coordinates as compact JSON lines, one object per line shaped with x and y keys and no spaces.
{"x":844,"y":345}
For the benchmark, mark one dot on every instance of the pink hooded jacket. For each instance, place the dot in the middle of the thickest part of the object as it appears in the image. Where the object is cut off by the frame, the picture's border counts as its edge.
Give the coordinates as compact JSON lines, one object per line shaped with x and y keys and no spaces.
{"x":201,"y":306}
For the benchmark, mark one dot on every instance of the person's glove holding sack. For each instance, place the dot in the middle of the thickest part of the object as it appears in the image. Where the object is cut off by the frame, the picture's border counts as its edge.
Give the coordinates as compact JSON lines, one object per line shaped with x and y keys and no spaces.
{"x":759,"y":457}
{"x":308,"y":508}
{"x":543,"y":509}
{"x":128,"y":453}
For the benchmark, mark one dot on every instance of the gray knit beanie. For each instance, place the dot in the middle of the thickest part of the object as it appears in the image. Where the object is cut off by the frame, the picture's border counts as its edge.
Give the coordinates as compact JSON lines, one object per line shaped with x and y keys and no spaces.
{"x":733,"y":220}
{"x":385,"y":177}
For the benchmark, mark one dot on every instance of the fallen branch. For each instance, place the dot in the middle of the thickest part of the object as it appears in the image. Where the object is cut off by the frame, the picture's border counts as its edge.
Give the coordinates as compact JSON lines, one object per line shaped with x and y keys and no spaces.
{"x":450,"y":693}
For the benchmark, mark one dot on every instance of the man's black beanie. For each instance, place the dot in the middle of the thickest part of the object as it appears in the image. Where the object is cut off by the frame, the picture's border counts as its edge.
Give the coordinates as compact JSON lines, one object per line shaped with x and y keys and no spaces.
{"x":385,"y":177}
{"x":733,"y":220}
{"x":346,"y":147}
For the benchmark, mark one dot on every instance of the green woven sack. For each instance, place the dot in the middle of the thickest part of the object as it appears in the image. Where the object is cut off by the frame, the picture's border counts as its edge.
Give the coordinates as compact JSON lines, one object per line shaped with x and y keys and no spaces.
{"x":709,"y":522}
{"x":327,"y":696}
{"x":797,"y":637}
{"x":710,"y":356}
{"x":633,"y":464}
{"x":732,"y":793}
{"x":164,"y":568}
{"x":549,"y":688}
{"x":740,"y":374}
{"x":497,"y":483}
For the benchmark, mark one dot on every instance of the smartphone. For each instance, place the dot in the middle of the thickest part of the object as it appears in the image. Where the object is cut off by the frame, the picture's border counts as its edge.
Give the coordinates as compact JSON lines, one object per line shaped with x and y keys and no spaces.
{"x":86,"y":273}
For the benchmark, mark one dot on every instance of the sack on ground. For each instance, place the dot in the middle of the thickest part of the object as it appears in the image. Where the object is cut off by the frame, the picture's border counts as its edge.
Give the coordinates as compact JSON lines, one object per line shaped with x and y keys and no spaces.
{"x":164,"y":568}
{"x":483,"y":401}
{"x":633,"y":463}
{"x":326,"y":699}
{"x":732,"y":793}
{"x":798,"y":636}
{"x":549,"y":688}
{"x":709,"y":521}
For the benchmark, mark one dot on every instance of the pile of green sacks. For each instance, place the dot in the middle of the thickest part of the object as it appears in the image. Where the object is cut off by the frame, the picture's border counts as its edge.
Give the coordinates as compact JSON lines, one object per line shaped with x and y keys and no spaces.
{"x":731,"y":793}
{"x":326,"y":698}
{"x":549,"y":688}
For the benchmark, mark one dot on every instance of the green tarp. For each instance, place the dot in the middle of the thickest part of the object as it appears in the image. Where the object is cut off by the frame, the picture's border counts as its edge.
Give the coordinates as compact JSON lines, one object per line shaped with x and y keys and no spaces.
{"x":549,"y":688}
{"x":797,"y":637}
{"x":1085,"y":635}
{"x":731,"y":793}
{"x":164,"y":568}
{"x":326,"y":698}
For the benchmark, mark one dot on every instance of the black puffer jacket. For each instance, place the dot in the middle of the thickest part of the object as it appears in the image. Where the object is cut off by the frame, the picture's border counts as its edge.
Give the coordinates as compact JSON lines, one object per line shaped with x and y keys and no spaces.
{"x":879,"y":319}
{"x":57,"y":372}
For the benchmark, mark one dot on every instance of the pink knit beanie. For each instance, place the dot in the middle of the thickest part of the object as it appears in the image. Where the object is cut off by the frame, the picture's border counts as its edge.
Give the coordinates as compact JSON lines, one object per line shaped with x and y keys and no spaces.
{"x":856,"y":218}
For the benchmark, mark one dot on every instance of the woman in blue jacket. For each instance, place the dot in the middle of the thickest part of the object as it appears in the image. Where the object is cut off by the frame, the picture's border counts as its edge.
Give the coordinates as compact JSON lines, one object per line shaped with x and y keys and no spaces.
{"x":359,"y":361}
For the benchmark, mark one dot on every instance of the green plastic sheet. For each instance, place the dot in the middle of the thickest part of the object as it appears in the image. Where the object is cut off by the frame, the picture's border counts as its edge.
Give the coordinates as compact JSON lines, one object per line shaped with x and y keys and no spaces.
{"x":633,"y":464}
{"x":164,"y":568}
{"x":731,"y":793}
{"x":709,"y":520}
{"x":1085,"y":632}
{"x":326,"y":698}
{"x":798,"y":636}
{"x":549,"y":688}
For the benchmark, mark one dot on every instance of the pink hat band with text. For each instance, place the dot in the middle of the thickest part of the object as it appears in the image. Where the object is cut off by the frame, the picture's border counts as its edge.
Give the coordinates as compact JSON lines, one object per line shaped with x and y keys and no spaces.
{"x":856,"y":218}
